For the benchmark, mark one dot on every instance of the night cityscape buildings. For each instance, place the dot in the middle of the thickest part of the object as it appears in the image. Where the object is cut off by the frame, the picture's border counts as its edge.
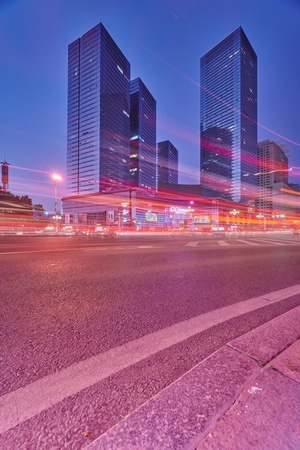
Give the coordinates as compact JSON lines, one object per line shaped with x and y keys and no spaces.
{"x":98,"y":134}
{"x":167,"y":163}
{"x":112,"y":127}
{"x":116,"y":173}
{"x":272,"y":170}
{"x":143,"y":150}
{"x":228,"y":119}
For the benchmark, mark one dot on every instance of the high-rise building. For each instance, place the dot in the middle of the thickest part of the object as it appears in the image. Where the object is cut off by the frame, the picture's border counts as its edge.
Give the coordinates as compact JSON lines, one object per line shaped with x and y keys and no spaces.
{"x":272,"y":169}
{"x":98,"y":146}
{"x":167,"y":163}
{"x":4,"y":170}
{"x":143,"y":153}
{"x":228,"y":110}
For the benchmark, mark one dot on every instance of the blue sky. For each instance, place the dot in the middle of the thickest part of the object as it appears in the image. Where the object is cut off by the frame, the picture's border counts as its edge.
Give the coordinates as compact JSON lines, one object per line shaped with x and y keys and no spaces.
{"x":163,"y":40}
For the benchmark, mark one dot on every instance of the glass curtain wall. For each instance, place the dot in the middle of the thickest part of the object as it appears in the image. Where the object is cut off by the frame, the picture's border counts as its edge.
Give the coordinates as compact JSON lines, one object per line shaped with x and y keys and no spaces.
{"x":143,"y":151}
{"x":228,"y":115}
{"x":98,"y":145}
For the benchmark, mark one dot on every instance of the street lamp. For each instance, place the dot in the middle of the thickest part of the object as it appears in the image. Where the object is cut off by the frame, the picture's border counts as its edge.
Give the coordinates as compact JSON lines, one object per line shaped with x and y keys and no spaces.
{"x":55,"y":178}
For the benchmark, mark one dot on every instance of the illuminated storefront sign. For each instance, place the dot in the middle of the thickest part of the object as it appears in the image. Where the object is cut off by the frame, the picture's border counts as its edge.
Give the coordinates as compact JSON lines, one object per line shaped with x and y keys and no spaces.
{"x":176,"y":210}
{"x":201,"y":219}
{"x":151,"y":217}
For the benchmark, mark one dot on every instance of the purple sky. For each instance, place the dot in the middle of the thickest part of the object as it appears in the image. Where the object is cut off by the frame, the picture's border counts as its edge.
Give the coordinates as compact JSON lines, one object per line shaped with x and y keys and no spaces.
{"x":163,"y":40}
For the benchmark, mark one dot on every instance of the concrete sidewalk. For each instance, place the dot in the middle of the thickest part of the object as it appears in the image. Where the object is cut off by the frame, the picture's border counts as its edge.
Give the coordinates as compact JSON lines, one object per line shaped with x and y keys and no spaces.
{"x":244,"y":396}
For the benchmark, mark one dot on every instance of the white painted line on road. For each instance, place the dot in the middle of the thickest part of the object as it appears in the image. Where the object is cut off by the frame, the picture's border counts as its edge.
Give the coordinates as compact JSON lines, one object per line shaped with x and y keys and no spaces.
{"x":38,"y":251}
{"x":145,"y":246}
{"x":28,"y":401}
{"x":94,"y":249}
{"x":247,"y":242}
{"x":223,"y":243}
{"x":46,"y":251}
{"x":192,"y":244}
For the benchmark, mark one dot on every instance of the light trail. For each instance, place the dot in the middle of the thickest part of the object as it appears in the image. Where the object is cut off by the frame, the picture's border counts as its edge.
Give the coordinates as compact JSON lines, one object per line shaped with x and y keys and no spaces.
{"x":212,"y":94}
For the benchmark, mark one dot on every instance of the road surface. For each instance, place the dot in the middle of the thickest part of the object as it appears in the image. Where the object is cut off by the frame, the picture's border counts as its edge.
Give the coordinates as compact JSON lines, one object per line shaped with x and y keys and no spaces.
{"x":92,"y":328}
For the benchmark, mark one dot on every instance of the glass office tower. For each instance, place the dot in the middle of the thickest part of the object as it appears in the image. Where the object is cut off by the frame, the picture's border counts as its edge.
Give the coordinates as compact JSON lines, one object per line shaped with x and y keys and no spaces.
{"x":98,"y":146}
{"x":272,"y":169}
{"x":143,"y":153}
{"x":167,"y":163}
{"x":228,"y":115}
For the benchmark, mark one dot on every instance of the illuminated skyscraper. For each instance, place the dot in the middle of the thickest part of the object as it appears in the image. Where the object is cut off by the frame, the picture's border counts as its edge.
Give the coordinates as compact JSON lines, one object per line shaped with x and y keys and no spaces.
{"x":167,"y":163}
{"x":143,"y":152}
{"x":228,"y":115}
{"x":98,"y":146}
{"x":272,"y":171}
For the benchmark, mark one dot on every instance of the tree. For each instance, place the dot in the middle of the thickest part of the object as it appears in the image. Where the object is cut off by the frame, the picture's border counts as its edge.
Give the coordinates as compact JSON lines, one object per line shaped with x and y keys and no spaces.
{"x":26,"y":200}
{"x":38,"y":210}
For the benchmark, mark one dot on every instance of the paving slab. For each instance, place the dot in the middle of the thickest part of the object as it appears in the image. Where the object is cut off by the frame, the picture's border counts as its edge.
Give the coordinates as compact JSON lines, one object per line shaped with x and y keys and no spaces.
{"x":267,"y":341}
{"x":181,"y":415}
{"x":288,"y":363}
{"x":266,"y":416}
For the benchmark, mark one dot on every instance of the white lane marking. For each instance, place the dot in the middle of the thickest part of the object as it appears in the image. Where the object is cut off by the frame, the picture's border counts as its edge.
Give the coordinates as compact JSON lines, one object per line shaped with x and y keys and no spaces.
{"x":145,"y":246}
{"x":94,"y":249}
{"x":39,"y":251}
{"x":30,"y":400}
{"x":223,"y":243}
{"x":192,"y":244}
{"x":247,"y":242}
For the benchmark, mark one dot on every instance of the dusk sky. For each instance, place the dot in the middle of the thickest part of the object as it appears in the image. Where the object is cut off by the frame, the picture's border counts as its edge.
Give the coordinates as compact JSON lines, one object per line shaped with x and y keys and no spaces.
{"x":163,"y":41}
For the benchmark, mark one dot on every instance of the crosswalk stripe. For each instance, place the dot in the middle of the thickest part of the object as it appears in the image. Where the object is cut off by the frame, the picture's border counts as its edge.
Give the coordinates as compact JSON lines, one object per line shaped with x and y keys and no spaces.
{"x":248,"y":242}
{"x":192,"y":244}
{"x":223,"y":243}
{"x":270,"y":241}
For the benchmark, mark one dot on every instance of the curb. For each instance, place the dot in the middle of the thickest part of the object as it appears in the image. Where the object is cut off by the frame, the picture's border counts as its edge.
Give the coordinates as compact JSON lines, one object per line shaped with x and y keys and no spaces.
{"x":266,"y":415}
{"x":183,"y":414}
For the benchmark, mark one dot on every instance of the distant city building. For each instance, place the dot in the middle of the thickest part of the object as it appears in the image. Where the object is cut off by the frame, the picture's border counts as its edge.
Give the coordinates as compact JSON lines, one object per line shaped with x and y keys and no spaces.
{"x":98,"y":146}
{"x":167,"y":163}
{"x":228,"y":116}
{"x":143,"y":152}
{"x":272,"y":169}
{"x":4,"y":173}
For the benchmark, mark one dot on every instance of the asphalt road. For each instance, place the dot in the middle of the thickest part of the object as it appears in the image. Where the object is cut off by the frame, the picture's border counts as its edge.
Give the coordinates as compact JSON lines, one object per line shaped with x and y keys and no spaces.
{"x":65,"y":300}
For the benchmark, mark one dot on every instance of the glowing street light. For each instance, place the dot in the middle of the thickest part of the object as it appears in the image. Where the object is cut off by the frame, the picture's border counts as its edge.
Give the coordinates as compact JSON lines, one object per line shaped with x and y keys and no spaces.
{"x":55,"y":178}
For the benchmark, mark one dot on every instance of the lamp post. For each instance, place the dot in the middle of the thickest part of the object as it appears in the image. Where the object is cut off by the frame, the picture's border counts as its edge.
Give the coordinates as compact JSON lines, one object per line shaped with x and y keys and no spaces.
{"x":55,"y":178}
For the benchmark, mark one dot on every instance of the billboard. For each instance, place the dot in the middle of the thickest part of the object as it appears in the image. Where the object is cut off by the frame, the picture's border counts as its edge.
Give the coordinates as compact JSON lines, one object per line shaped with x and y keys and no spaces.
{"x":151,"y":217}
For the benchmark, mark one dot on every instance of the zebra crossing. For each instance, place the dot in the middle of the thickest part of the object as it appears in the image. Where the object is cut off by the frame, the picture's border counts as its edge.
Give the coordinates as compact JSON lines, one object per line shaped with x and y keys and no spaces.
{"x":202,"y":243}
{"x":233,"y":242}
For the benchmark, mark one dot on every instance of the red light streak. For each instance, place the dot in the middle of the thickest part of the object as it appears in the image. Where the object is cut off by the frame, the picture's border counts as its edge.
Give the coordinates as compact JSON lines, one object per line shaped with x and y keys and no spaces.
{"x":212,"y":94}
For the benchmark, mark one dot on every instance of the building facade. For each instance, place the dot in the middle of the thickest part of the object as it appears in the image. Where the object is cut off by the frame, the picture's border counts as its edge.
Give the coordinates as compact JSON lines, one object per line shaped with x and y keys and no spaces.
{"x":143,"y":152}
{"x":98,"y":142}
{"x":228,"y":116}
{"x":167,"y":163}
{"x":272,"y":169}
